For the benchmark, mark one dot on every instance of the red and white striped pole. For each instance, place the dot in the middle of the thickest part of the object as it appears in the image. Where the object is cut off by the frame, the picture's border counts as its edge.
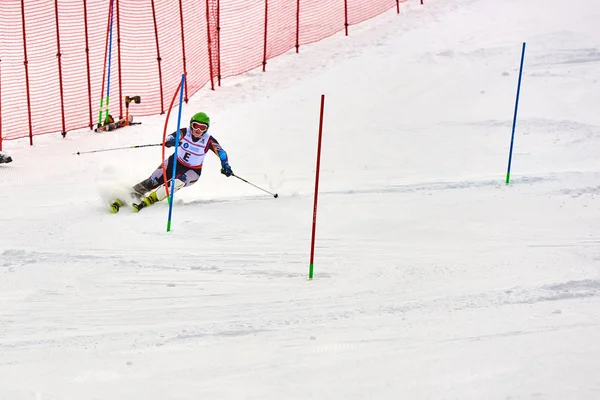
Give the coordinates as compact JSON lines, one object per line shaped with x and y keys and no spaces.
{"x":314,"y":224}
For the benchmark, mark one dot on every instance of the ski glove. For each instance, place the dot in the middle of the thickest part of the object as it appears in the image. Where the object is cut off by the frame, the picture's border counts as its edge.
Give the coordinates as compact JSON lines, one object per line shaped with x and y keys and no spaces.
{"x":170,"y":143}
{"x":226,"y":170}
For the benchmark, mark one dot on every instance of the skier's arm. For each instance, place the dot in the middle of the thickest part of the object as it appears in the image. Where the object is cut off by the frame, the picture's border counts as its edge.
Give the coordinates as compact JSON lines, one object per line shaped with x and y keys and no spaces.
{"x":170,"y":142}
{"x":218,"y":150}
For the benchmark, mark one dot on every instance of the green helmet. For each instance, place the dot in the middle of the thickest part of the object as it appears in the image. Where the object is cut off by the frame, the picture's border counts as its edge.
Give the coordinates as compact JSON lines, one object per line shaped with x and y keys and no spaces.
{"x":200,"y":117}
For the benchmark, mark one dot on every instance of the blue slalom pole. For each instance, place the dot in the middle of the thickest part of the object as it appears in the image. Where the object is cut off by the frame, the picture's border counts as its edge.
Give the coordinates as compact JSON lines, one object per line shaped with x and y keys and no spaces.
{"x":512,"y":139}
{"x":172,"y":190}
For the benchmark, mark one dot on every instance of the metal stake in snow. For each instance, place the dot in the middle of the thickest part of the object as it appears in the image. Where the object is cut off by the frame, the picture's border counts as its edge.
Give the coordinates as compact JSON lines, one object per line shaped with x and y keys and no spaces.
{"x":181,"y":86}
{"x":512,"y":139}
{"x":314,"y":225}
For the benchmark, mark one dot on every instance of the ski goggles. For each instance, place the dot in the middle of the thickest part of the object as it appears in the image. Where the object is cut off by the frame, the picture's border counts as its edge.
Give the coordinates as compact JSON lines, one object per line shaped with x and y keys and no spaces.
{"x":199,"y":126}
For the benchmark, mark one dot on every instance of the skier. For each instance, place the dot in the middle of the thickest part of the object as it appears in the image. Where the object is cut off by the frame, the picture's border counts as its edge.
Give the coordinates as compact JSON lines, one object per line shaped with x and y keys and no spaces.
{"x":5,"y":158}
{"x":194,"y":143}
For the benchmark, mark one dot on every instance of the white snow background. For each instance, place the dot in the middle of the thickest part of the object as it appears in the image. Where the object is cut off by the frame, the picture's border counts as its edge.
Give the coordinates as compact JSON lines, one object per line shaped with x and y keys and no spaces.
{"x":433,"y":278}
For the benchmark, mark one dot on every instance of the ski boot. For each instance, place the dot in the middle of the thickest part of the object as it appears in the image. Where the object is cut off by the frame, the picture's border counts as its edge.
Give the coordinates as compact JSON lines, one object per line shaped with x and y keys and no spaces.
{"x":147,"y":201}
{"x":116,"y":205}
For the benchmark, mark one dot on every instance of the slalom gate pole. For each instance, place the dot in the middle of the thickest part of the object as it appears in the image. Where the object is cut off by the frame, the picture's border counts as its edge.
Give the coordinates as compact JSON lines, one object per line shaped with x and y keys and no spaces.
{"x":314,"y":221}
{"x":182,"y":85}
{"x":512,"y":139}
{"x":112,"y":13}
{"x":252,"y":184}
{"x":118,"y":148}
{"x":106,"y":56}
{"x":164,"y":158}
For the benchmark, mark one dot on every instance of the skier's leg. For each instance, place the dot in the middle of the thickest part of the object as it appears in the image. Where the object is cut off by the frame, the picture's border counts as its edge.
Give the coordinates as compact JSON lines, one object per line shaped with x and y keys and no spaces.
{"x":161,"y":193}
{"x":140,"y":189}
{"x":192,"y":176}
{"x":186,"y":178}
{"x":154,"y":181}
{"x":158,"y":195}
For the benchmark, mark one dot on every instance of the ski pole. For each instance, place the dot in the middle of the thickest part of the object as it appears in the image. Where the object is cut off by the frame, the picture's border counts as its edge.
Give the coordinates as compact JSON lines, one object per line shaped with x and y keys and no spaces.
{"x":249,"y":183}
{"x":118,"y":148}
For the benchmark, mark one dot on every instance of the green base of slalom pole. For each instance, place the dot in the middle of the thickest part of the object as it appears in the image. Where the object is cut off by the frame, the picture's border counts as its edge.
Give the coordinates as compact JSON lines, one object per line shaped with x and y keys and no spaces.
{"x":507,"y":178}
{"x":310,"y":271}
{"x":100,"y":112}
{"x":169,"y":221}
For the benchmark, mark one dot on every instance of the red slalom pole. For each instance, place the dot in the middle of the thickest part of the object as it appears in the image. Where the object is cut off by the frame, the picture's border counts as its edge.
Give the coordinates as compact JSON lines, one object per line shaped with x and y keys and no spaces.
{"x":314,"y":224}
{"x":164,"y":164}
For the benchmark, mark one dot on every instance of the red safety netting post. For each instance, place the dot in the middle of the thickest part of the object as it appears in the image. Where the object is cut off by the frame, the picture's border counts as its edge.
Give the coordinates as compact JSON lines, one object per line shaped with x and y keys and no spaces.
{"x":182,"y":51}
{"x":264,"y":63}
{"x":0,"y":105}
{"x":298,"y":26}
{"x":25,"y":62}
{"x":346,"y":16}
{"x":119,"y":61}
{"x":60,"y":80}
{"x":218,"y":43}
{"x":158,"y":59}
{"x":314,"y":222}
{"x":208,"y":38}
{"x":87,"y":61}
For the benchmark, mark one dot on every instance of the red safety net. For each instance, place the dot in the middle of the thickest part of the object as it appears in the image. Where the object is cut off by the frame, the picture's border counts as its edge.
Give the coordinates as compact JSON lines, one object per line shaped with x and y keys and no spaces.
{"x":53,"y":54}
